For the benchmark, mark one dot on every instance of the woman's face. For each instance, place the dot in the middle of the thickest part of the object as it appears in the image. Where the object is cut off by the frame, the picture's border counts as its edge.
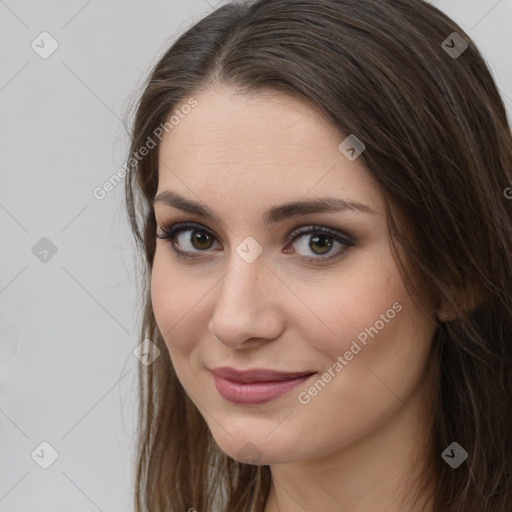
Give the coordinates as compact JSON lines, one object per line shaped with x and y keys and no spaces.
{"x":272,"y":290}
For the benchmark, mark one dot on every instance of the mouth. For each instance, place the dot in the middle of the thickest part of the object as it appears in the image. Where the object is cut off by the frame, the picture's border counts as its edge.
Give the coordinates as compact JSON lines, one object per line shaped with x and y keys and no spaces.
{"x":256,"y":386}
{"x":256,"y":375}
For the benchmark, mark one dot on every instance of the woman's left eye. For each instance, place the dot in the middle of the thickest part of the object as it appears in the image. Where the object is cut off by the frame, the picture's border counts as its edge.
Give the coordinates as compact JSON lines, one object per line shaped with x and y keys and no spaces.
{"x":189,"y":239}
{"x":319,"y":241}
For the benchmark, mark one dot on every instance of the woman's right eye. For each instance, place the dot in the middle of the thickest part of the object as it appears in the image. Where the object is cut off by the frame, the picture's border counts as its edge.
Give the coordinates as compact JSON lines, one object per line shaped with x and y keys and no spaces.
{"x":188,"y":238}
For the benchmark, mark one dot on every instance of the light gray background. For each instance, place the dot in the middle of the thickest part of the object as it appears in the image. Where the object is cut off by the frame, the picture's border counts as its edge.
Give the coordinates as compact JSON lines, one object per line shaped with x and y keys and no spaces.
{"x":68,"y":326}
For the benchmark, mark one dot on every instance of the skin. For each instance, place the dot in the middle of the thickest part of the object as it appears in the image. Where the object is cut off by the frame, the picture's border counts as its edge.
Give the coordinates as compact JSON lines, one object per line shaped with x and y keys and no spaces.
{"x":350,"y":447}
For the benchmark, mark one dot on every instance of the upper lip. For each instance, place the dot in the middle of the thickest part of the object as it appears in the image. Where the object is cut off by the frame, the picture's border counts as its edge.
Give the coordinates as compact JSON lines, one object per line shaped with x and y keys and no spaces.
{"x":256,"y":374}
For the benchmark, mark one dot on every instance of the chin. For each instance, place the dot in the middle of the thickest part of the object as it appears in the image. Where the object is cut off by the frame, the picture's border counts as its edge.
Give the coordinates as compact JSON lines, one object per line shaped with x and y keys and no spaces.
{"x":257,"y":451}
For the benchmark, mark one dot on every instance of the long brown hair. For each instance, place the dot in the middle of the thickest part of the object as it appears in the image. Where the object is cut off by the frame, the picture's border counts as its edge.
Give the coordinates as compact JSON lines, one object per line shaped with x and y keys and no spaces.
{"x":438,"y":142}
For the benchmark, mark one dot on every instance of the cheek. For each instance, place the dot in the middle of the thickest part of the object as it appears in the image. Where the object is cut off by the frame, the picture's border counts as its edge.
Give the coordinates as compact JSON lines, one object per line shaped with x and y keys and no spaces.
{"x":169,"y":304}
{"x":382,"y":338}
{"x":342,"y":307}
{"x":179,"y":305}
{"x":163,"y":294}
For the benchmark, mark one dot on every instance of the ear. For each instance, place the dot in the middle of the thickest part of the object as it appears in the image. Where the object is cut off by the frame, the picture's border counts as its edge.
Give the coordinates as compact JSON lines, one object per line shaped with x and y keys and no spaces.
{"x":468,"y":299}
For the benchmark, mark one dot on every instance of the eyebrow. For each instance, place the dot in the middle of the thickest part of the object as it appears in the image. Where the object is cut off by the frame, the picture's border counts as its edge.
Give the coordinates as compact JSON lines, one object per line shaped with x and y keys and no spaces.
{"x":273,"y":214}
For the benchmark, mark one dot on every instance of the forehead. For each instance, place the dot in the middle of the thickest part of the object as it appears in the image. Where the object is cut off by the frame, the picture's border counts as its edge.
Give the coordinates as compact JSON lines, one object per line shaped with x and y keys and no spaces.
{"x":270,"y":144}
{"x":228,"y":120}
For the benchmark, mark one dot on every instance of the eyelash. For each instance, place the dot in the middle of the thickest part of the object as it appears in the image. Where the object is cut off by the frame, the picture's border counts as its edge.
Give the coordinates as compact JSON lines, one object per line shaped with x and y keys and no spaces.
{"x":169,"y":233}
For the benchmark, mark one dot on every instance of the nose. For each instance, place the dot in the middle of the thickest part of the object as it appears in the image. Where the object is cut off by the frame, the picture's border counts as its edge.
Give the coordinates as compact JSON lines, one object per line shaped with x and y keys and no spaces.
{"x":247,"y":304}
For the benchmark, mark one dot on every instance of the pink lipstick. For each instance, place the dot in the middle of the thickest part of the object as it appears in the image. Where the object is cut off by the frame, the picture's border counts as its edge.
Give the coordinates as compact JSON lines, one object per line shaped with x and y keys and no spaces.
{"x":256,"y":386}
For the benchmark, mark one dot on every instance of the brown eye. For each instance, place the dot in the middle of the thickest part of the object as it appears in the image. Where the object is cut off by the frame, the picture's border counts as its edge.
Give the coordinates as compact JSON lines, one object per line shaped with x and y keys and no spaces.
{"x":201,"y":240}
{"x":188,"y":239}
{"x":321,"y":244}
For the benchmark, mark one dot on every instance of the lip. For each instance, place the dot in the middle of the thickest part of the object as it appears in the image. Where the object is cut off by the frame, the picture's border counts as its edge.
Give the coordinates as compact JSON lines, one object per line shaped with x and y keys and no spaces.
{"x":256,"y":386}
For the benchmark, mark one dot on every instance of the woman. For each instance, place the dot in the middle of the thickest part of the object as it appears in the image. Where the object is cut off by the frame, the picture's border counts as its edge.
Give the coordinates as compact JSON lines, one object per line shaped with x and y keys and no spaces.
{"x":318,"y":190}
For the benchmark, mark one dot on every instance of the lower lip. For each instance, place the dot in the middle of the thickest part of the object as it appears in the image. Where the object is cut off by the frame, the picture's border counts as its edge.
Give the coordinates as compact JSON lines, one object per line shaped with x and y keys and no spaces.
{"x":257,"y":392}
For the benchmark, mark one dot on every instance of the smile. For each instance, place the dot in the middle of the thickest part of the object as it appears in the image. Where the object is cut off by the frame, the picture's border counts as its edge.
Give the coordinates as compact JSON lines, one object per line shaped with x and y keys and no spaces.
{"x":255,"y":393}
